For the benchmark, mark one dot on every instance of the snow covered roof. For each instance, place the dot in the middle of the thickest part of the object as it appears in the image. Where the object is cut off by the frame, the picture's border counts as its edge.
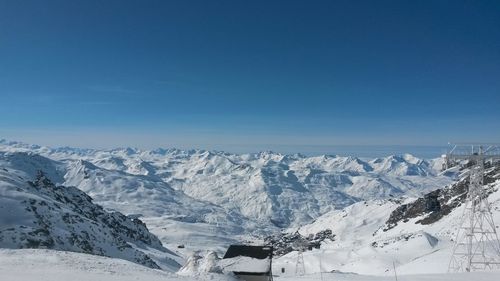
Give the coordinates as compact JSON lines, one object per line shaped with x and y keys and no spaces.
{"x":243,"y":258}
{"x":245,"y":265}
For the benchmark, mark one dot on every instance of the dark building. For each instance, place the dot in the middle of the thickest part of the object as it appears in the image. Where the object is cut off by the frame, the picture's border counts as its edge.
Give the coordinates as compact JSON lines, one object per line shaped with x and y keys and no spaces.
{"x":250,"y":263}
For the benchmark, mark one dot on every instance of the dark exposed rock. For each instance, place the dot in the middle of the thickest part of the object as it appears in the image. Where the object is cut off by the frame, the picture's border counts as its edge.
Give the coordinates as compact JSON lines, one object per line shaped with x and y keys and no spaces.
{"x":439,"y":203}
{"x":285,"y":243}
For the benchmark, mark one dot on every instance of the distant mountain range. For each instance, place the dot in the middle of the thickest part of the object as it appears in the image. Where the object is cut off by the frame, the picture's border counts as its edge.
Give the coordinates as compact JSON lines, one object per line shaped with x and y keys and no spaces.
{"x":204,"y":200}
{"x":270,"y":189}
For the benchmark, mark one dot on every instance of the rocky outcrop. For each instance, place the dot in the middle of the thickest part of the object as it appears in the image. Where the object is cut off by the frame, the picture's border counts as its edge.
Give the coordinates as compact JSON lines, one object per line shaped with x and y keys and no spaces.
{"x":285,"y":243}
{"x":439,"y":203}
{"x":39,"y":214}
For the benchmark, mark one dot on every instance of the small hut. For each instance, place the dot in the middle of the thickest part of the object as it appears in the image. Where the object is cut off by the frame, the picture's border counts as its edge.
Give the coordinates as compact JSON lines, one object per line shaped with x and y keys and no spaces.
{"x":249,"y":263}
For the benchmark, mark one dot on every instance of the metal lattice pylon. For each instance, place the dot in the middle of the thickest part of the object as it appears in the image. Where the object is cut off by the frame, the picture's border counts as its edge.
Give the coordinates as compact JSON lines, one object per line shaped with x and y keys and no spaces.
{"x":477,"y":246}
{"x":300,"y":268}
{"x":300,"y":246}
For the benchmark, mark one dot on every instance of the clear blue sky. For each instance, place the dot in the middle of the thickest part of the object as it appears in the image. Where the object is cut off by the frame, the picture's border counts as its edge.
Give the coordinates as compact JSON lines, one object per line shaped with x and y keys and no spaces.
{"x":252,"y":74}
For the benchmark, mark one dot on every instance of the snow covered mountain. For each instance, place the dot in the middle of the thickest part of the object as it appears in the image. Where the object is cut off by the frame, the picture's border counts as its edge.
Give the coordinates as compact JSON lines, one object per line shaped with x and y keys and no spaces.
{"x":274,"y":190}
{"x":35,"y":213}
{"x":204,"y":200}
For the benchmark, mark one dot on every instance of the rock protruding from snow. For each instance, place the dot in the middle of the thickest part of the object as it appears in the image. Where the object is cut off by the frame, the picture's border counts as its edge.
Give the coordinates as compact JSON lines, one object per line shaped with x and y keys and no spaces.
{"x":285,"y":243}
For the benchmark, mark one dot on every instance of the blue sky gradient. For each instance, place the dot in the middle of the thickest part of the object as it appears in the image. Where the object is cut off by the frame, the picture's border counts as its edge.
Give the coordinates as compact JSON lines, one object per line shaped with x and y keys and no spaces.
{"x":252,"y":74}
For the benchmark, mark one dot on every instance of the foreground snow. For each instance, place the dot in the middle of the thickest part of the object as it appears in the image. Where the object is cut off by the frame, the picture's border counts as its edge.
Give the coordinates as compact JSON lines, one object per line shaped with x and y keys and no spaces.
{"x":48,"y":265}
{"x":476,"y":276}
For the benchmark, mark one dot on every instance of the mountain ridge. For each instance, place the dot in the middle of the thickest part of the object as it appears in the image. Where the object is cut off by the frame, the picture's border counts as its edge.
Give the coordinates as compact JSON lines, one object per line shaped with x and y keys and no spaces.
{"x":186,"y":196}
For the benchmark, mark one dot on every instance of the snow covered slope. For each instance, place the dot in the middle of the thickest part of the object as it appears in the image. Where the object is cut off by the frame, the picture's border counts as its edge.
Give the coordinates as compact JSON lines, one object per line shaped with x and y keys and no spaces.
{"x":416,"y":234}
{"x":176,"y":218}
{"x":46,"y":265}
{"x":35,"y":213}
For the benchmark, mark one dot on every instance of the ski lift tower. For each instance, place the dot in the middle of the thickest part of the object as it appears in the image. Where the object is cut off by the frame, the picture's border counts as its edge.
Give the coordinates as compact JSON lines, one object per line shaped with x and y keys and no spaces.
{"x":300,"y":268}
{"x":476,"y":246}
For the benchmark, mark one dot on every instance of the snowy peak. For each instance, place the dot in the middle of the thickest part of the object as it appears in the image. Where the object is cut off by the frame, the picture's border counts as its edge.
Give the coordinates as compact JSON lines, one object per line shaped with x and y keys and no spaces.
{"x":402,"y":165}
{"x":335,"y":164}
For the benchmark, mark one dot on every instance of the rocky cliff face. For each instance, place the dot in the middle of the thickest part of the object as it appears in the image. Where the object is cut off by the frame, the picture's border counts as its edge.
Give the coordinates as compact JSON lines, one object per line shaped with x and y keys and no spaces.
{"x":35,"y":213}
{"x":439,"y":203}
